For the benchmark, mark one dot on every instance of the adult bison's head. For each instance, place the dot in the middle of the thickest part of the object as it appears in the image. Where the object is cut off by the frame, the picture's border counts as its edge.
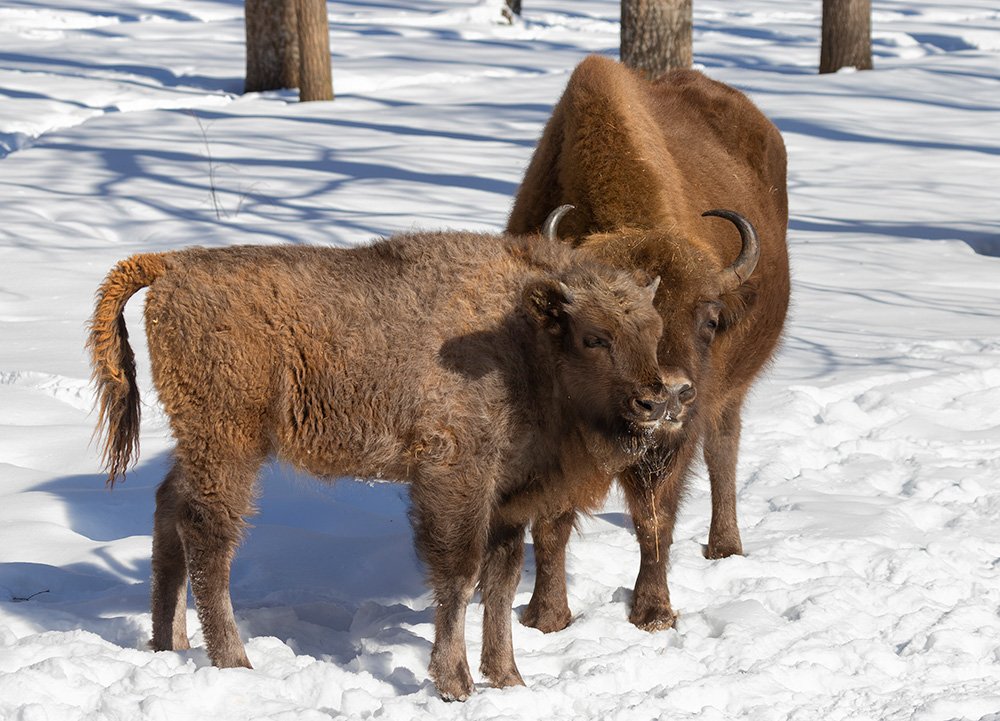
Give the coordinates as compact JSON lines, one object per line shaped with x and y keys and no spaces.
{"x":702,"y":298}
{"x":707,"y":297}
{"x":604,"y":332}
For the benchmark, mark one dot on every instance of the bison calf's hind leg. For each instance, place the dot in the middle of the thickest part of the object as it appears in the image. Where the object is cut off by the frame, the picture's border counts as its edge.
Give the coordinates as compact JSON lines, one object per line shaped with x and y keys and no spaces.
{"x":498,"y":580}
{"x":548,"y":609}
{"x":210,"y":520}
{"x":169,"y":572}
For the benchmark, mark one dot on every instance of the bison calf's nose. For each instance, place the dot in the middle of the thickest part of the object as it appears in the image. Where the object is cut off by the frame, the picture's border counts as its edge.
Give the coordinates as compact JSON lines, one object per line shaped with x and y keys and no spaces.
{"x":648,"y":410}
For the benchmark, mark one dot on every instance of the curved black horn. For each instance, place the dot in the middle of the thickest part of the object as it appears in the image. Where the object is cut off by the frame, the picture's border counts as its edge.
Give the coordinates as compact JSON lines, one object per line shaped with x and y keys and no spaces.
{"x":735,"y":275}
{"x":552,"y":222}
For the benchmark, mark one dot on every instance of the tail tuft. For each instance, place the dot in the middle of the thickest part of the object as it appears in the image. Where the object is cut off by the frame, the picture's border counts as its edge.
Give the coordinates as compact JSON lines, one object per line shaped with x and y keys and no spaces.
{"x":113,"y":363}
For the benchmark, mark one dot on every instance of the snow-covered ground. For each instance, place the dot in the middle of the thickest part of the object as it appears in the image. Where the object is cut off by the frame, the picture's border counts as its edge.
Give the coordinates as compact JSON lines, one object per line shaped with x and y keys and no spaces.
{"x":870,"y":470}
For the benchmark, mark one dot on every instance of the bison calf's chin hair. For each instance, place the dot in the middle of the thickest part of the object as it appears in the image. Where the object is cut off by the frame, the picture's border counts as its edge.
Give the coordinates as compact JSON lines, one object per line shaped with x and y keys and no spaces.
{"x":458,"y":363}
{"x":682,"y":178}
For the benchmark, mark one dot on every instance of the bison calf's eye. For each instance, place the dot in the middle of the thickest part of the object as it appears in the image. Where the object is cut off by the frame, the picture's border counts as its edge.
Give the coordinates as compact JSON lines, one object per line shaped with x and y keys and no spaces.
{"x":593,"y":341}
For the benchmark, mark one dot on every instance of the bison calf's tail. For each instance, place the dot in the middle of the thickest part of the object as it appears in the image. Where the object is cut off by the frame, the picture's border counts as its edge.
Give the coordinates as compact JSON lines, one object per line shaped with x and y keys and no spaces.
{"x":113,"y":363}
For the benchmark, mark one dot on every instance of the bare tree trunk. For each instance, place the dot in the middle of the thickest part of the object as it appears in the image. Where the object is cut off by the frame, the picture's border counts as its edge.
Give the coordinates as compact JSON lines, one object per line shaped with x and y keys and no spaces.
{"x":847,"y":35}
{"x":272,"y":45}
{"x":315,"y":76}
{"x":656,"y":35}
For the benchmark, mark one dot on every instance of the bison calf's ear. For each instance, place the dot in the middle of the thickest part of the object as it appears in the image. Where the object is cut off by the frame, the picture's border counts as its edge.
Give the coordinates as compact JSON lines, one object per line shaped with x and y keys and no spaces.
{"x":546,"y":301}
{"x":651,"y":287}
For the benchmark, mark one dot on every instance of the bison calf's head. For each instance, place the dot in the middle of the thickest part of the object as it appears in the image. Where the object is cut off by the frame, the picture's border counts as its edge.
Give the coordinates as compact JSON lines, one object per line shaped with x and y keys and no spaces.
{"x":603,"y":332}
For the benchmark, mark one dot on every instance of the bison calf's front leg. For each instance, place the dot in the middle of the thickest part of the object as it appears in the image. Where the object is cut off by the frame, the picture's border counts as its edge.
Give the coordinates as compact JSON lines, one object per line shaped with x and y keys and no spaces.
{"x":653,"y":508}
{"x":498,"y":581}
{"x":450,"y":521}
{"x":548,"y":609}
{"x":449,"y":665}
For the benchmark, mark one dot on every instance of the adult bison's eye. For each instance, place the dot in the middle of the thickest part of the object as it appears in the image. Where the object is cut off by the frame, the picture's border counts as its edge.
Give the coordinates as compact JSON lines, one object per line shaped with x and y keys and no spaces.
{"x":596,"y":341}
{"x":708,"y":320}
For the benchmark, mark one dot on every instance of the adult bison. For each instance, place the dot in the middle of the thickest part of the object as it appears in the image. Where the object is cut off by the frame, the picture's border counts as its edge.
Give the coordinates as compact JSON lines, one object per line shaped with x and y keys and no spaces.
{"x":642,"y":161}
{"x":490,"y":373}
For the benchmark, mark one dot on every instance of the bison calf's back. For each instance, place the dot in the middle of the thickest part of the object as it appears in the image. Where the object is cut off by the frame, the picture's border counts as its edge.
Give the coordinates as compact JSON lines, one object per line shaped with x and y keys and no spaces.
{"x":462,"y":364}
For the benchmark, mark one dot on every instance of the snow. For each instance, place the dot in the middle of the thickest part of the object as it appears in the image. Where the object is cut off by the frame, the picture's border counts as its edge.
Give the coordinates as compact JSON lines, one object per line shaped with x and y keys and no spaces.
{"x":869,"y":495}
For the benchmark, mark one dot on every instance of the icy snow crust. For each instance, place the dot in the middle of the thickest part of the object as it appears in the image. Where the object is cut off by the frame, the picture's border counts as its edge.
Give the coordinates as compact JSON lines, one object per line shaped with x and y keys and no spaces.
{"x":869,"y":494}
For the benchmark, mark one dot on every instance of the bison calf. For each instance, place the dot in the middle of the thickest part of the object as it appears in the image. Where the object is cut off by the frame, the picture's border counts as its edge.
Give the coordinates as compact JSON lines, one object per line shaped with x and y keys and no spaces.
{"x":493,"y":374}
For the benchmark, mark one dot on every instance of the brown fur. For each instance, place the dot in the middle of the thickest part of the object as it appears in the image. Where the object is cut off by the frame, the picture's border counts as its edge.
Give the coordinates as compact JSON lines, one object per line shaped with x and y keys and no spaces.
{"x":455,"y":362}
{"x":641,"y":161}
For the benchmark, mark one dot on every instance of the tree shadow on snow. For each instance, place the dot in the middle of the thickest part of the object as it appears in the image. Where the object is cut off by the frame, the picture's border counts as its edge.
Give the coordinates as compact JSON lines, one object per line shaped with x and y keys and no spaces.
{"x":124,"y":73}
{"x":320,"y":172}
{"x":982,"y":243}
{"x":814,"y":129}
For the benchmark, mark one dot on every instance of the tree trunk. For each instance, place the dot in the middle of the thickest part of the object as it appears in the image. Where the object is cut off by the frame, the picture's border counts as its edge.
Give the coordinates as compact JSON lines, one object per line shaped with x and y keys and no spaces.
{"x":315,"y":76}
{"x":272,"y":45}
{"x":656,"y":35}
{"x":847,"y":35}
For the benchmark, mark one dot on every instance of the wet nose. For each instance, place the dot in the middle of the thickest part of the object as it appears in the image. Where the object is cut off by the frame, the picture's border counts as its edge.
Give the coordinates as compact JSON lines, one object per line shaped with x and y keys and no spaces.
{"x":649,"y":408}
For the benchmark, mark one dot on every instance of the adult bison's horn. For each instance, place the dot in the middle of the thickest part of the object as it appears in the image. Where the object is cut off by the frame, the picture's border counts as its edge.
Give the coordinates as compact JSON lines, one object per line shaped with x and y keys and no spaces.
{"x":552,"y":222}
{"x":735,"y":275}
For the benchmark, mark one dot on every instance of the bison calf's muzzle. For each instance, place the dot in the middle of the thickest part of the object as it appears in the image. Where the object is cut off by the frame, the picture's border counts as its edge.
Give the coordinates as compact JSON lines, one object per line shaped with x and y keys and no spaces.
{"x":647,"y":410}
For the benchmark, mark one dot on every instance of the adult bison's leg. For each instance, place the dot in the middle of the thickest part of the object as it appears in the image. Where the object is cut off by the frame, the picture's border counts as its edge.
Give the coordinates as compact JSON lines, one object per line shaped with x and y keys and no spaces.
{"x":212,"y":503}
{"x":451,"y":520}
{"x":653,"y":490}
{"x":498,"y":581}
{"x":722,"y":441}
{"x":169,"y":572}
{"x":548,"y":609}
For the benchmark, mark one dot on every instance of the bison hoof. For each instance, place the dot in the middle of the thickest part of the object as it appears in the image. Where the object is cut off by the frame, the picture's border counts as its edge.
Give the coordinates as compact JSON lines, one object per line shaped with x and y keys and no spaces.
{"x":503,"y":679}
{"x":546,"y":619}
{"x":175,"y":642}
{"x":659,"y":624}
{"x":724,"y":549}
{"x":452,"y":685}
{"x":657,"y":618}
{"x":458,"y":693}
